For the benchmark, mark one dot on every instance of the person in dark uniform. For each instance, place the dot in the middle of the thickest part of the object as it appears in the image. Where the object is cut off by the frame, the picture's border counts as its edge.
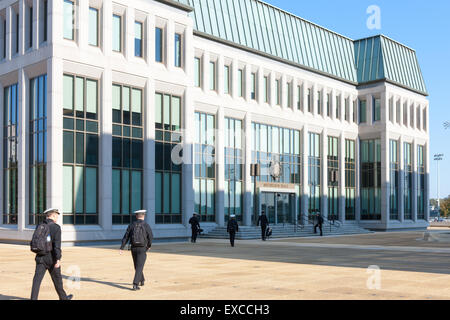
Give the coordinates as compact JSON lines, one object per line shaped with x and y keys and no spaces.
{"x":232,"y":228}
{"x":264,"y":224}
{"x":140,"y":236}
{"x":319,"y":223}
{"x":195,"y":227}
{"x":52,"y":260}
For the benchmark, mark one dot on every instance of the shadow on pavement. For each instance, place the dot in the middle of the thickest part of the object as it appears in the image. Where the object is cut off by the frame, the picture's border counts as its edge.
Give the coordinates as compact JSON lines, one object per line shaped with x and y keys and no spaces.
{"x":106,"y":283}
{"x":3,"y":297}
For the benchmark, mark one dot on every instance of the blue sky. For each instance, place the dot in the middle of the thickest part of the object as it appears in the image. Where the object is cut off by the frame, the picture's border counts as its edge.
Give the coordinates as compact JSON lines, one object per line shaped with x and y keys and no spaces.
{"x":421,"y":25}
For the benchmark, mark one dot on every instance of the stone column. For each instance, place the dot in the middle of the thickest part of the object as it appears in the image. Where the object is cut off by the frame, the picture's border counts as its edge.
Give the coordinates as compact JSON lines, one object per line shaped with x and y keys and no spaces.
{"x":324,"y":173}
{"x":22,"y":150}
{"x":414,"y":181}
{"x":342,"y":177}
{"x":220,"y":165}
{"x":2,"y":126}
{"x":401,"y":205}
{"x":149,"y":152}
{"x":385,"y":177}
{"x":105,"y":149}
{"x":305,"y":170}
{"x":9,"y":34}
{"x":55,"y":189}
{"x":248,"y":199}
{"x":188,"y":196}
{"x":82,"y":16}
{"x":36,"y":25}
{"x":358,"y":179}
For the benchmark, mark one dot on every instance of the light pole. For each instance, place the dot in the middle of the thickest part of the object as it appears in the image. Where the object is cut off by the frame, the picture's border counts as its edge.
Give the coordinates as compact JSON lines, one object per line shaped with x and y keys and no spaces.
{"x":437,"y":158}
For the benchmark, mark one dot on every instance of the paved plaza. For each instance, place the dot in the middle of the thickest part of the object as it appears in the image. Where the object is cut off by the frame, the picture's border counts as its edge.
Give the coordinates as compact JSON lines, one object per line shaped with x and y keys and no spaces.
{"x":309,"y":268}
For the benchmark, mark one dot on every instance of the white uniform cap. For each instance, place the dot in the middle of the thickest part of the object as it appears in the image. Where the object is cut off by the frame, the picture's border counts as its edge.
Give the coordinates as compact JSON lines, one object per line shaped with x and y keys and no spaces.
{"x":140,"y":212}
{"x":51,"y":210}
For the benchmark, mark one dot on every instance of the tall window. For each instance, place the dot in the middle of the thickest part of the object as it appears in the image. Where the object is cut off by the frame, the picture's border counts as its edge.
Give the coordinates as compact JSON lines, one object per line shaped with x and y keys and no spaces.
{"x":421,"y":194}
{"x":93,"y":27}
{"x":329,"y":105}
{"x":362,"y":111}
{"x":45,"y":20}
{"x":394,"y":180}
{"x":241,"y":83}
{"x":266,"y":89}
{"x":69,"y":20}
{"x":299,"y":97}
{"x":117,"y":33}
{"x":10,"y":162}
{"x":333,"y":178}
{"x":80,"y":150}
{"x":205,"y":167}
{"x":350,"y":180}
{"x":127,"y":153}
{"x":159,"y":45}
{"x":253,"y":86}
{"x":226,"y":80}
{"x":289,"y":95}
{"x":408,"y":181}
{"x":314,"y":174}
{"x":338,"y":107}
{"x":309,"y":101}
{"x":38,"y":149}
{"x":30,"y":27}
{"x":376,"y":109}
{"x":212,"y":76}
{"x":391,"y":110}
{"x":168,"y":175}
{"x":138,"y":39}
{"x":233,"y":168}
{"x":319,"y":103}
{"x":277,"y":92}
{"x":198,"y":72}
{"x":347,"y":110}
{"x":370,"y":180}
{"x":178,"y":50}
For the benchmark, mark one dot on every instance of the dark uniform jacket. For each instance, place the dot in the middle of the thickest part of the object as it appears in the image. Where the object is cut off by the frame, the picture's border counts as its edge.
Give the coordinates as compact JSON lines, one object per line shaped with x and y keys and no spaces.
{"x":55,"y":235}
{"x":129,"y":232}
{"x":232,"y":226}
{"x":320,"y":220}
{"x":263,"y":219}
{"x":194,"y":223}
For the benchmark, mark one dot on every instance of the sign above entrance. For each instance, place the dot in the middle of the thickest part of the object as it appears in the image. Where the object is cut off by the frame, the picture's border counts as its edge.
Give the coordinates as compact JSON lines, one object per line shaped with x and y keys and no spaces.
{"x":275,"y":185}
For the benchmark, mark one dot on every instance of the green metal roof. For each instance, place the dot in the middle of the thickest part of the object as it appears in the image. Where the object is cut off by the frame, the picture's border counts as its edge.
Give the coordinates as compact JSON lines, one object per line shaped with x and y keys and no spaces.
{"x":262,"y":28}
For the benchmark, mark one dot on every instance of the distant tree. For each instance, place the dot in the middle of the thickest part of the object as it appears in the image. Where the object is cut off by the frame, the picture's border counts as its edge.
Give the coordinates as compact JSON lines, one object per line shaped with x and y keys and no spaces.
{"x":445,"y":207}
{"x":433,"y":202}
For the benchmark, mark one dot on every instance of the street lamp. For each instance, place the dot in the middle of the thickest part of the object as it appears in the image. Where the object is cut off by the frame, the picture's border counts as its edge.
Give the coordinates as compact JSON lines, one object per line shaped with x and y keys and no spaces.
{"x":437,"y":158}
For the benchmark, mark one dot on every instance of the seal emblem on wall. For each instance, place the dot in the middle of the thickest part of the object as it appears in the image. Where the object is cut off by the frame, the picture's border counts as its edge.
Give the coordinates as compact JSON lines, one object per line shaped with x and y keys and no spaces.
{"x":275,"y":169}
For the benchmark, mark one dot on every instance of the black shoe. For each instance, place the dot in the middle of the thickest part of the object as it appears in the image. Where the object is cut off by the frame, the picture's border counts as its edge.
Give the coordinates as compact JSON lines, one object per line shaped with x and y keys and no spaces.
{"x":69,"y":297}
{"x":136,"y":287}
{"x":142,"y":283}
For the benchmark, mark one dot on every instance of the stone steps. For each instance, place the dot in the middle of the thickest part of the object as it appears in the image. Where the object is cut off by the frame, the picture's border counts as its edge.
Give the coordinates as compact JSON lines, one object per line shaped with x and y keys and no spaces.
{"x":287,"y":231}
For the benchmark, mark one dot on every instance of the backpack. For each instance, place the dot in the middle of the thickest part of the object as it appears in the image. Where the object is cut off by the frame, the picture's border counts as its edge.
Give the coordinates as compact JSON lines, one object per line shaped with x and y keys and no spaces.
{"x":268,"y":232}
{"x":41,"y":242}
{"x":139,"y":236}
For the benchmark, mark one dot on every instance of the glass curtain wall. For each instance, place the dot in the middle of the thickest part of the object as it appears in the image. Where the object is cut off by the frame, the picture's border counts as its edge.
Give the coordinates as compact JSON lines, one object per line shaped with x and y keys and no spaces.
{"x":333,"y":178}
{"x":38,"y":149}
{"x":421,"y":195}
{"x":394,"y":180}
{"x":10,"y":161}
{"x":271,"y":145}
{"x":408,"y":181}
{"x":350,"y":180}
{"x":314,"y":161}
{"x":168,"y":175}
{"x":205,"y":167}
{"x":127,"y":153}
{"x":233,"y":169}
{"x":80,"y":150}
{"x":371,"y":179}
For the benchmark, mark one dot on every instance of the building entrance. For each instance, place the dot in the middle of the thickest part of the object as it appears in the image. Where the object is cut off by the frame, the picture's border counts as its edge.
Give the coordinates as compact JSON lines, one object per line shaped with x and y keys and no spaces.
{"x":279,"y":207}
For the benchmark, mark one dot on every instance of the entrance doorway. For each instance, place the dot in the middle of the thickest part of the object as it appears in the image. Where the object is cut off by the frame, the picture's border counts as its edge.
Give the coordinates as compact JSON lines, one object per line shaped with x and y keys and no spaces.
{"x":279,"y":207}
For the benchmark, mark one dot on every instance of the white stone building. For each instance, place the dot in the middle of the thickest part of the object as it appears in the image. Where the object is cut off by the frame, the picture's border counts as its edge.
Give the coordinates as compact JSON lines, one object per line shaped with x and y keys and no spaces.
{"x":95,"y":93}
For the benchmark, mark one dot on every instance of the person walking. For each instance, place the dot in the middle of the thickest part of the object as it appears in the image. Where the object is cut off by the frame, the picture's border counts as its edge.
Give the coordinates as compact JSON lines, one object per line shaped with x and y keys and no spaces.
{"x":46,"y":243}
{"x":319,"y":224}
{"x":195,"y":227}
{"x":232,"y":228}
{"x":140,"y":236}
{"x":264,"y":224}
